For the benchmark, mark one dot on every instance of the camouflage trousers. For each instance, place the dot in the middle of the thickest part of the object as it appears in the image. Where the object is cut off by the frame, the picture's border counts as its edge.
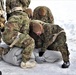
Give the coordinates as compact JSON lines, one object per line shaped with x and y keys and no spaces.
{"x":60,"y":45}
{"x":27,"y":43}
{"x":28,"y":46}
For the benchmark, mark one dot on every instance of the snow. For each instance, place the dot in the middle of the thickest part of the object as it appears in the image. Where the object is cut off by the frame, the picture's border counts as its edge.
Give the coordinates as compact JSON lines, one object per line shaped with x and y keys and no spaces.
{"x":64,"y":13}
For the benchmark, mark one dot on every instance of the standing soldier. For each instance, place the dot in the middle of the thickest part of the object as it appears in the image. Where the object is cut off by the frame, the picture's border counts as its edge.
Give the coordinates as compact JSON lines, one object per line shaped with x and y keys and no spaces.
{"x":51,"y":37}
{"x":2,"y":19}
{"x":44,"y":14}
{"x":18,"y":4}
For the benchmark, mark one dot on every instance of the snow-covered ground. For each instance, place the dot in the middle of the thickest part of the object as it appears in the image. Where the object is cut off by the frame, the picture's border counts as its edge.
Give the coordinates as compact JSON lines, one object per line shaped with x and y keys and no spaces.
{"x":64,"y":12}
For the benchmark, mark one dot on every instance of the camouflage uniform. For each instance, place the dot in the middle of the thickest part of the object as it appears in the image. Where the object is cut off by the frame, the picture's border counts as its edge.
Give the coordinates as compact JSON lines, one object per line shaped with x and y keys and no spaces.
{"x":19,"y":23}
{"x":1,"y":6}
{"x":44,"y":40}
{"x":2,"y":20}
{"x":11,"y":4}
{"x":43,"y":13}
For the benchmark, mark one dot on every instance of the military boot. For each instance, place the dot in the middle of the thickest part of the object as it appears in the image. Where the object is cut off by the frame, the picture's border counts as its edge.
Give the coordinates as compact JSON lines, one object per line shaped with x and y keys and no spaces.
{"x":66,"y":64}
{"x":29,"y":64}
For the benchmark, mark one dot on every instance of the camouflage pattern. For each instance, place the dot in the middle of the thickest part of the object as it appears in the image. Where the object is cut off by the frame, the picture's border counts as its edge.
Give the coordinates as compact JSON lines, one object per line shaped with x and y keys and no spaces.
{"x":44,"y":40}
{"x":1,"y":6}
{"x":16,"y":3}
{"x":2,"y":19}
{"x":1,"y":11}
{"x":43,"y":13}
{"x":11,"y":4}
{"x":19,"y":23}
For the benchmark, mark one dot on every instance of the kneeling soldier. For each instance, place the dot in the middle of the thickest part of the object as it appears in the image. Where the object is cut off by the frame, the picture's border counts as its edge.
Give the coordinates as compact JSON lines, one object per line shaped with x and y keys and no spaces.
{"x":51,"y":37}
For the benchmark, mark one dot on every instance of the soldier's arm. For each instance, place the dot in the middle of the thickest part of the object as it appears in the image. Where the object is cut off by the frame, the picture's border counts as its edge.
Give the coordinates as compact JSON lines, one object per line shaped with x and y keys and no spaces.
{"x":2,"y":4}
{"x":22,"y":33}
{"x":8,"y":6}
{"x":23,"y":30}
{"x":48,"y":36}
{"x":1,"y":8}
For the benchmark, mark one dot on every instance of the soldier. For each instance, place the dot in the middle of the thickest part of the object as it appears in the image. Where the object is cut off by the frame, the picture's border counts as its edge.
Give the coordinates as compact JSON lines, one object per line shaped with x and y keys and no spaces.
{"x":18,"y":4}
{"x":44,"y":14}
{"x":16,"y":34}
{"x":2,"y":19}
{"x":51,"y":37}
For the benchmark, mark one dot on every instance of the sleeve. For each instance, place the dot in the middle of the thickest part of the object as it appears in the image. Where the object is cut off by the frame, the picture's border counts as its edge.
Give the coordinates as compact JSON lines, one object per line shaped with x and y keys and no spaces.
{"x":8,"y":6}
{"x":24,"y":31}
{"x":1,"y":8}
{"x":48,"y":36}
{"x":21,"y":26}
{"x":1,"y":5}
{"x":25,"y":27}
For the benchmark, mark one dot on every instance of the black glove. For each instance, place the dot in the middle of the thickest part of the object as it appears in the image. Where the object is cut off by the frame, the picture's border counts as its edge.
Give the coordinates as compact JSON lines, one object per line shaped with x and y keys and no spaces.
{"x":41,"y":53}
